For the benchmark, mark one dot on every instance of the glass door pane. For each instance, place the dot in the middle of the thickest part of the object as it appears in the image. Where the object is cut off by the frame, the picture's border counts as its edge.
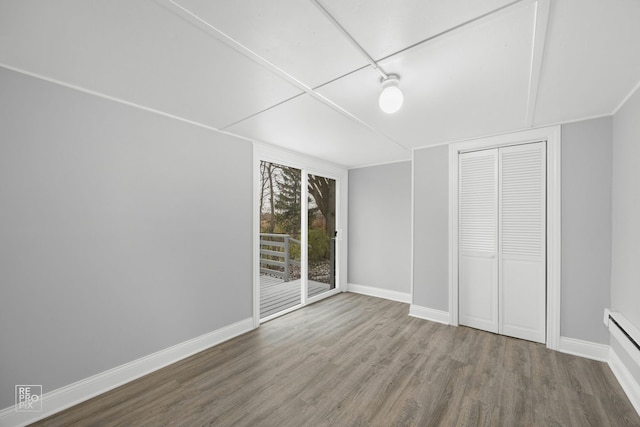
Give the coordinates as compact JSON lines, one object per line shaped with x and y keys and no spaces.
{"x":321,"y":234}
{"x":280,"y":233}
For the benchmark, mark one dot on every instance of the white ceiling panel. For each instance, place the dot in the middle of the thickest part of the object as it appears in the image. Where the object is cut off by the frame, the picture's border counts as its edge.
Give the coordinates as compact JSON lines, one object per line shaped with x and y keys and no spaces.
{"x":292,"y":34}
{"x":591,"y":60}
{"x":140,"y":52}
{"x":308,"y":126}
{"x":385,"y":27}
{"x":468,"y":68}
{"x":470,"y":83}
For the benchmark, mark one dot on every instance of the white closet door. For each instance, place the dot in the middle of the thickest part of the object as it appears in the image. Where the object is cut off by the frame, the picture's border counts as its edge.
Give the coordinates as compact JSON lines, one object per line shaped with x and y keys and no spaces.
{"x":522,"y":241}
{"x":478,"y":245}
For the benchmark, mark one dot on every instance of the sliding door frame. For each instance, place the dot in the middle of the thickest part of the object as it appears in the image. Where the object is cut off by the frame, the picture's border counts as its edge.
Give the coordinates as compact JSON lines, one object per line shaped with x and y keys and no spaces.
{"x":552,"y":136}
{"x":307,"y":165}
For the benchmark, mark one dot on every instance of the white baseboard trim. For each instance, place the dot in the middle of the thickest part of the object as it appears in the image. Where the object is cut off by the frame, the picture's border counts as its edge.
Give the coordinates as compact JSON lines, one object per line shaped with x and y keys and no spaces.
{"x":379,"y":293}
{"x":626,"y":380}
{"x":429,"y":314}
{"x":588,"y":349}
{"x":72,"y":394}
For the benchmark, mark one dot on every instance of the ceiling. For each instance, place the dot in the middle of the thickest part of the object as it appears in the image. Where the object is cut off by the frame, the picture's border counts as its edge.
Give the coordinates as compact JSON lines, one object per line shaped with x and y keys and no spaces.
{"x":280,"y":72}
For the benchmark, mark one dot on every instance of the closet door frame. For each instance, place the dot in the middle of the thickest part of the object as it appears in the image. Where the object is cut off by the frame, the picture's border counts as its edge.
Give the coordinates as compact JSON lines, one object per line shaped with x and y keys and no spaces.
{"x":552,"y":136}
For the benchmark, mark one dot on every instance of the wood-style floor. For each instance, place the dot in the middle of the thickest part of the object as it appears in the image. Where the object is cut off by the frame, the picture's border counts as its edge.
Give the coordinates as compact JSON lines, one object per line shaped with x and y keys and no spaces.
{"x":353,"y":360}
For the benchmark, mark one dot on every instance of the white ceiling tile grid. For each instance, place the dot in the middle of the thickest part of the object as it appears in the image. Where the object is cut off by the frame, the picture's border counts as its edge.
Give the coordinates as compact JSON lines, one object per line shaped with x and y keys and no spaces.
{"x":281,"y":72}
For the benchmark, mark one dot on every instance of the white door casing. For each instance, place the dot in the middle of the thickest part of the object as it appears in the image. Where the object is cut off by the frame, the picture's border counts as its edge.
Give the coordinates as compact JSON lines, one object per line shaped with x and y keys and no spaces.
{"x":307,"y":165}
{"x":502,"y":209}
{"x":552,"y":136}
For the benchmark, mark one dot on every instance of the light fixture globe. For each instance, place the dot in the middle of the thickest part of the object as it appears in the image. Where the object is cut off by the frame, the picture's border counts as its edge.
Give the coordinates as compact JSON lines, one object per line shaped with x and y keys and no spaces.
{"x":391,"y":97}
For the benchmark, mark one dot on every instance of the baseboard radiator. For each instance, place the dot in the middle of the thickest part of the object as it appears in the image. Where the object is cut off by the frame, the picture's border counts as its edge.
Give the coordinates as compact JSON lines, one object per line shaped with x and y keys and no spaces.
{"x":627,"y":338}
{"x":625,"y":332}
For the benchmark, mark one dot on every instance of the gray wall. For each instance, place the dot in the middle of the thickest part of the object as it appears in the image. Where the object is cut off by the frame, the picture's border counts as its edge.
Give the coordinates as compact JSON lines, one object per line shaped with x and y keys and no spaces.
{"x":625,"y":274}
{"x":431,"y":228}
{"x":586,"y":228}
{"x":380,"y":226}
{"x":586,"y":237}
{"x":121,"y":233}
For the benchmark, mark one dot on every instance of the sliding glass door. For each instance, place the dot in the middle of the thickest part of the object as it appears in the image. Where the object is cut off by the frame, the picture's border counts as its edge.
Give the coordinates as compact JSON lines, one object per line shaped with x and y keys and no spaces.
{"x":321,"y":213}
{"x":297,"y":238}
{"x":280,"y":238}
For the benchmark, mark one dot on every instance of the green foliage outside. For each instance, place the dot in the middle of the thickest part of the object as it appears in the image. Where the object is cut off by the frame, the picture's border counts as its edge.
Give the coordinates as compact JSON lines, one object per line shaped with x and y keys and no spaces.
{"x":319,"y":245}
{"x":288,"y":202}
{"x":280,"y":204}
{"x":294,"y":251}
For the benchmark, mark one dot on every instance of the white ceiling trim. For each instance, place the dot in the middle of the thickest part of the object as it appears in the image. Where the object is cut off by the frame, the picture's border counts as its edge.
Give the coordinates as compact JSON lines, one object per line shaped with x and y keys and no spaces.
{"x":158,"y":112}
{"x":515,"y":131}
{"x":193,"y":19}
{"x":121,"y":101}
{"x":450,"y":32}
{"x":250,"y":116}
{"x":196,"y":20}
{"x":390,"y":162}
{"x":287,"y":157}
{"x":471,"y":23}
{"x":213,"y":31}
{"x":626,"y":98}
{"x":350,"y":39}
{"x":579,"y":119}
{"x":539,"y":40}
{"x":473,"y":138}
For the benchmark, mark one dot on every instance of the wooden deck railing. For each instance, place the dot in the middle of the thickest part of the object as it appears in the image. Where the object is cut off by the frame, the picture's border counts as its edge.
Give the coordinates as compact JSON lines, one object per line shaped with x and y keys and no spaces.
{"x":275,"y":258}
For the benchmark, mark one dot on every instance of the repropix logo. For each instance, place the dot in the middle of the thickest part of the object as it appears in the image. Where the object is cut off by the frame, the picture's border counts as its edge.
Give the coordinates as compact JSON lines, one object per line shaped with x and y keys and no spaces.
{"x":28,"y":398}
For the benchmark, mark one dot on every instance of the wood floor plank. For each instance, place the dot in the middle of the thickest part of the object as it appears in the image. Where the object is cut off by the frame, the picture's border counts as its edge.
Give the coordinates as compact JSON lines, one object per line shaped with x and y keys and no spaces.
{"x":353,"y":360}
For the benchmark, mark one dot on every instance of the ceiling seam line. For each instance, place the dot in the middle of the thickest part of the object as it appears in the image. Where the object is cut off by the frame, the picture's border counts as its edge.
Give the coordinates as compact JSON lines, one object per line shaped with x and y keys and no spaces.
{"x":245,"y":51}
{"x":454,"y":28}
{"x":528,"y":118}
{"x":121,"y":101}
{"x":540,"y":28}
{"x":282,"y":73}
{"x":320,"y":86}
{"x":349,"y":37}
{"x":262,"y":111}
{"x":626,"y":98}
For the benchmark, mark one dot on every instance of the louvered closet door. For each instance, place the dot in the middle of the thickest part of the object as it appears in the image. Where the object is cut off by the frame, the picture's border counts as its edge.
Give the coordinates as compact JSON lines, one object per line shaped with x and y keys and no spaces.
{"x":522,"y":237}
{"x":478,"y":245}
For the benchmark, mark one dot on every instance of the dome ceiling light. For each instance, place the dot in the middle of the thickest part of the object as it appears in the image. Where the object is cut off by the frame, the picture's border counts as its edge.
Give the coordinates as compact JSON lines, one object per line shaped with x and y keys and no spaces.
{"x":391,"y":97}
